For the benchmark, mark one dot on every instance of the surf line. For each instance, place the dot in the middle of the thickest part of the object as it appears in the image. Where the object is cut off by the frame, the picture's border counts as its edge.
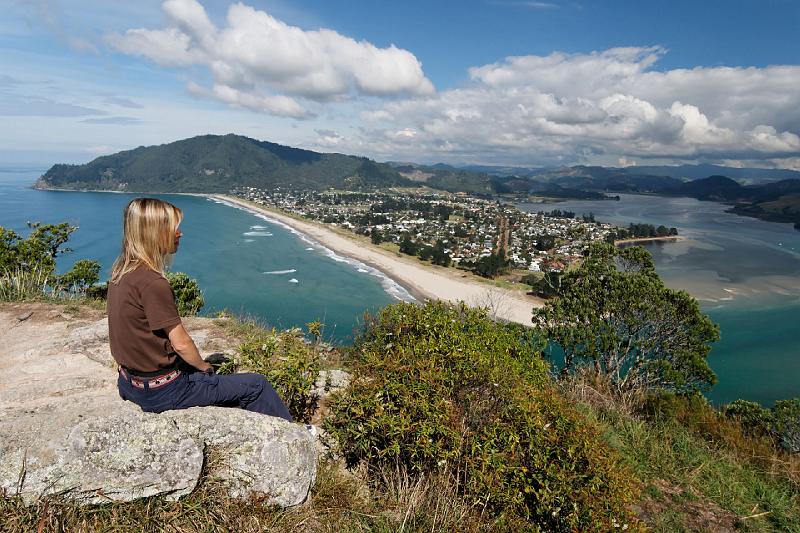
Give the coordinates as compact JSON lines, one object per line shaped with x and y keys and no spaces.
{"x":389,"y":285}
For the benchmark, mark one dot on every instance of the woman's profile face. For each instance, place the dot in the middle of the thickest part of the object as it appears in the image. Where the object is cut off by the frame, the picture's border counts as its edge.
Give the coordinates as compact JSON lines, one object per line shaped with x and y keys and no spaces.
{"x":177,"y":241}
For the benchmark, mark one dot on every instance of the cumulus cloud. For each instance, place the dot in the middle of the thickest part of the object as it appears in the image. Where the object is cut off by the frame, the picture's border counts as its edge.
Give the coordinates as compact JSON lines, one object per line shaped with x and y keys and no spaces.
{"x":567,"y":108}
{"x":261,"y":63}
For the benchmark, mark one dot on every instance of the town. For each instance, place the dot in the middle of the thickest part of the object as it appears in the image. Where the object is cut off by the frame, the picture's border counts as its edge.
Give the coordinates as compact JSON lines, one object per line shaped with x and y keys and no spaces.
{"x":488,"y":237}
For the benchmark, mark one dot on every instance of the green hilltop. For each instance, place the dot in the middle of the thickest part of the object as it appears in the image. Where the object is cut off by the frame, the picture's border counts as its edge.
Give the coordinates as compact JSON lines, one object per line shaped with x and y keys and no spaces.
{"x":218,"y":163}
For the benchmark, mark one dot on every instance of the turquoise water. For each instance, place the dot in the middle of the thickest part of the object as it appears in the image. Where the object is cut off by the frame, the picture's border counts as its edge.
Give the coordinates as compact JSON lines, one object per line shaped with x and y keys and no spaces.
{"x":746,"y":274}
{"x":243,"y":263}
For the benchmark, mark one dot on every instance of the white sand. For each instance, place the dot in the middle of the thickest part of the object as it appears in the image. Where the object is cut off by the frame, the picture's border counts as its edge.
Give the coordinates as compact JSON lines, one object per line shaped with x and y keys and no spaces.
{"x":422,"y":280}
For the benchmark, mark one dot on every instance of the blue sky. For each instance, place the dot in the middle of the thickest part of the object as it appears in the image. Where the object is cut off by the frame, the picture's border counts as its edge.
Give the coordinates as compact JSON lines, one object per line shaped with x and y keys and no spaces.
{"x":496,"y":81}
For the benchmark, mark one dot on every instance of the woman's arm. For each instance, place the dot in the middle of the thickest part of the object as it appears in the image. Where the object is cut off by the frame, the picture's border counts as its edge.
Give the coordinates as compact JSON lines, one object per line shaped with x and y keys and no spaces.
{"x":184,"y":345}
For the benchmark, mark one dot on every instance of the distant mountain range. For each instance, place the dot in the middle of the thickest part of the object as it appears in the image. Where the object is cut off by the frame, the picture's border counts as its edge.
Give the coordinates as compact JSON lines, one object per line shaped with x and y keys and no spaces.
{"x":746,"y":176}
{"x":219,"y":163}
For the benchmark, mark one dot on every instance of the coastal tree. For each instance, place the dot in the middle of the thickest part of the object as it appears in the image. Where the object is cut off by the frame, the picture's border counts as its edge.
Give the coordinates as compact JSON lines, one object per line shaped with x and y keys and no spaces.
{"x":491,"y":266}
{"x":438,"y":254}
{"x":615,"y":315}
{"x":30,"y":262}
{"x":408,"y":246}
{"x":425,"y":252}
{"x":38,"y":250}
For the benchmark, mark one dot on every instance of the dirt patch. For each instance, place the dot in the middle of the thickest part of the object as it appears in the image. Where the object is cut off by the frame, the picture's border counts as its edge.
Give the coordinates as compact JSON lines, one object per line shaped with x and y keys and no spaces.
{"x":28,"y":314}
{"x":697,"y":512}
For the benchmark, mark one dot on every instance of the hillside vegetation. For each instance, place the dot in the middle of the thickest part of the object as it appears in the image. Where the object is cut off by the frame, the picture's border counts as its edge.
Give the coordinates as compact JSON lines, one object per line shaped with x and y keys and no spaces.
{"x":214,"y":163}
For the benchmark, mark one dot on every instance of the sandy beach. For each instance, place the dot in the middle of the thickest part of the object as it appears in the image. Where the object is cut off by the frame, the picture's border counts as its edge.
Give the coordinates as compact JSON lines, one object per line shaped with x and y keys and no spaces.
{"x":635,"y":240}
{"x":421,"y":280}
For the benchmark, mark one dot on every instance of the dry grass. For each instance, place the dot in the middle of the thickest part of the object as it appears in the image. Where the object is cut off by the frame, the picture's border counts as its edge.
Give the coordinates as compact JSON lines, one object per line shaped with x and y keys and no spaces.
{"x":695,"y":459}
{"x":587,"y":387}
{"x":340,"y":501}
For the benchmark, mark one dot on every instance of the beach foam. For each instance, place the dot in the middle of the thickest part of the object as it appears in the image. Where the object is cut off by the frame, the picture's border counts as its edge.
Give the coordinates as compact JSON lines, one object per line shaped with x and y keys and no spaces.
{"x":257,"y":234}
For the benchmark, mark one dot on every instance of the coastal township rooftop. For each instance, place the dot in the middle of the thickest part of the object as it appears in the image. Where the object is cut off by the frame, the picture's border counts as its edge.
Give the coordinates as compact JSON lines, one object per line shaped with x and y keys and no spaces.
{"x":465,"y":228}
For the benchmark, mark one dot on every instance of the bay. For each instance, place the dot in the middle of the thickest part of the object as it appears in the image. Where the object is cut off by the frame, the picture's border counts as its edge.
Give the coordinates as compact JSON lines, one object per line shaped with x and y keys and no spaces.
{"x":244,"y":263}
{"x":745,"y":273}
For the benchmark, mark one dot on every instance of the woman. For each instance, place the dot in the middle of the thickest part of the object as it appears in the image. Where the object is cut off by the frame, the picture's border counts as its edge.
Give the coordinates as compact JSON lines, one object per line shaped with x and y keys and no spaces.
{"x":159,"y":365}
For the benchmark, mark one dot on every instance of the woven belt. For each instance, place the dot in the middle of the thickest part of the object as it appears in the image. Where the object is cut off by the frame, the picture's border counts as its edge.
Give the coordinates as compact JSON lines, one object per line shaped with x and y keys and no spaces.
{"x":150,"y":383}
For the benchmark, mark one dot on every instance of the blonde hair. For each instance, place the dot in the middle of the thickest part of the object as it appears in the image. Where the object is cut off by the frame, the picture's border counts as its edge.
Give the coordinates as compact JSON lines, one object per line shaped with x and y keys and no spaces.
{"x":149,"y":227}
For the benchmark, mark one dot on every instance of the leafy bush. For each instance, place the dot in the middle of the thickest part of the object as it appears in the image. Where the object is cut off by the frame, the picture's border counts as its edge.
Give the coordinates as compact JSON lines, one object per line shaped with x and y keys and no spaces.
{"x":288,"y":361}
{"x":38,"y":251}
{"x":27,"y":265}
{"x":188,"y":296}
{"x":440,"y":387}
{"x":83,"y":275}
{"x":786,"y":423}
{"x":688,"y":409}
{"x":753,"y":418}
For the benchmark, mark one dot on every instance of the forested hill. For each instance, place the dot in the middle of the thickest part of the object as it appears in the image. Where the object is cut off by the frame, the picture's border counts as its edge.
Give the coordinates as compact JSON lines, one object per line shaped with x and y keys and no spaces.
{"x":218,"y":163}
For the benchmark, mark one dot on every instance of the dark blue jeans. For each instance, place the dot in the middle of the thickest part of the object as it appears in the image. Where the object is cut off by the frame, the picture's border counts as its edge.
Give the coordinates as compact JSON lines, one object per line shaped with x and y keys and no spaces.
{"x":199,"y":389}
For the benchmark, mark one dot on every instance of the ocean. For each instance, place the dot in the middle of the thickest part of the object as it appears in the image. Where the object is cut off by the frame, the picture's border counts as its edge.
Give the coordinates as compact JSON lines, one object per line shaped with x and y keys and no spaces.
{"x":745,"y":273}
{"x":244,"y":263}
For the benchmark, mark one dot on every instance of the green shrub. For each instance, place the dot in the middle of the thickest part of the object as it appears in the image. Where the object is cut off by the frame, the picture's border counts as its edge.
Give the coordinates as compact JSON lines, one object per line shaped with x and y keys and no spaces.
{"x":38,"y":251}
{"x":786,"y":423}
{"x":27,"y":265}
{"x":288,"y":361}
{"x":188,"y":296}
{"x":753,"y":418}
{"x":440,"y":387}
{"x":688,"y":409}
{"x":83,"y":275}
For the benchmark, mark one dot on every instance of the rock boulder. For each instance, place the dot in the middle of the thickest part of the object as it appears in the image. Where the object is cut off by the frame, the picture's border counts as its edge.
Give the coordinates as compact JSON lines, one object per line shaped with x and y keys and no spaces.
{"x":65,"y":431}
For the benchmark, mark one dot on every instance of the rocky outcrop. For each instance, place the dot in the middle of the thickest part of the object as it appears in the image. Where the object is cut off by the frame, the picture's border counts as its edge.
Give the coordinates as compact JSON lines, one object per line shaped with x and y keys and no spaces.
{"x":65,"y":431}
{"x":121,"y":456}
{"x":254,"y":454}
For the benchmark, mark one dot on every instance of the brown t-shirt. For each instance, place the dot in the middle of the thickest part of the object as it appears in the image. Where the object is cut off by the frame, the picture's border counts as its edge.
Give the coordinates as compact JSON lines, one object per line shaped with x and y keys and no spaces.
{"x":141,"y":307}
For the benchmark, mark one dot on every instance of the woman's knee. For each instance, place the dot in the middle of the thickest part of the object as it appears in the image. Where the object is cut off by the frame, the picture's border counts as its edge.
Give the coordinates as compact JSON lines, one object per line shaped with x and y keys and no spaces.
{"x":257,"y":381}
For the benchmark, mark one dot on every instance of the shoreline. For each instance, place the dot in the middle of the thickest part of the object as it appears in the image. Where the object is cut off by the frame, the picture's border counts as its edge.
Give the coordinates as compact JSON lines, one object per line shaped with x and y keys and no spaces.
{"x":421,"y":281}
{"x":633,"y":240}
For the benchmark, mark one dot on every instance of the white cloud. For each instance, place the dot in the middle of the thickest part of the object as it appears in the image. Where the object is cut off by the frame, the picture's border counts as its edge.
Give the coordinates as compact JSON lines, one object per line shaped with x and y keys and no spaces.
{"x":261,"y":63}
{"x":279,"y":105}
{"x":601,"y":105}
